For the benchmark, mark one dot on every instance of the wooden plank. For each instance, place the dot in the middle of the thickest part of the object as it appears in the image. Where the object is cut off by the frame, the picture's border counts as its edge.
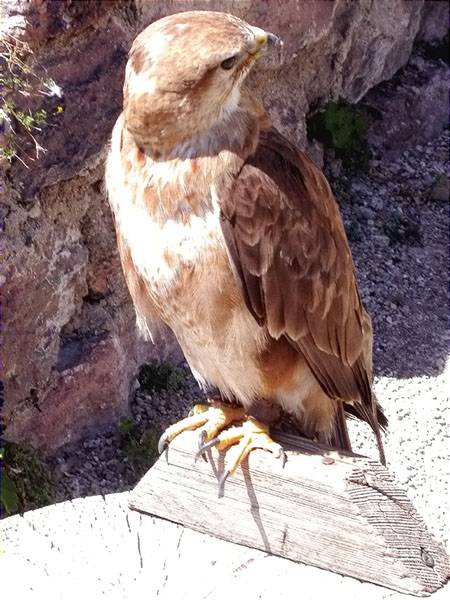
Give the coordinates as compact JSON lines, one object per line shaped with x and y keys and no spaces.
{"x":343,"y":513}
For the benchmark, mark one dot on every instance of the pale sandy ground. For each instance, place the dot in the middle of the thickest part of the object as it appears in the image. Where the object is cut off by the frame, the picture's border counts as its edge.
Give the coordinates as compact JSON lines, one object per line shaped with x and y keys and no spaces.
{"x":95,"y":548}
{"x":417,"y":444}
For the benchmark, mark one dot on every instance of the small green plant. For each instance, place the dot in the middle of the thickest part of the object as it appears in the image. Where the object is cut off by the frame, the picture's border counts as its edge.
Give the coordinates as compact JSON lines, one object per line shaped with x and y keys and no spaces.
{"x":160,"y":377}
{"x":19,"y":88}
{"x":8,"y":493}
{"x":343,"y":128}
{"x":26,"y":482}
{"x":138,"y":444}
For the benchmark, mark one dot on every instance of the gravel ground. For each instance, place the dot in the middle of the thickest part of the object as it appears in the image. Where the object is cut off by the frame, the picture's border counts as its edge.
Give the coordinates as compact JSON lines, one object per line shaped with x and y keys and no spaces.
{"x":397,"y":222}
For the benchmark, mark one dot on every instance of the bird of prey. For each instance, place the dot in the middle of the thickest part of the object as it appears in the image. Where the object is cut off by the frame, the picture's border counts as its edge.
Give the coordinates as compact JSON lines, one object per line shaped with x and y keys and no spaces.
{"x":231,"y":236}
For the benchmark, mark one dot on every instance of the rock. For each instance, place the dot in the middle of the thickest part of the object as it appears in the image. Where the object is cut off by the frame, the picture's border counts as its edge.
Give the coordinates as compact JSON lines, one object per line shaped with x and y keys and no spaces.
{"x":91,"y":95}
{"x":334,"y":165}
{"x":360,"y":187}
{"x":434,"y":21}
{"x":375,"y":202}
{"x":314,"y":149}
{"x":68,"y":323}
{"x":331,"y":49}
{"x":440,"y":190}
{"x":73,"y":349}
{"x":382,"y":240}
{"x":365,"y":212}
{"x":410,"y":108}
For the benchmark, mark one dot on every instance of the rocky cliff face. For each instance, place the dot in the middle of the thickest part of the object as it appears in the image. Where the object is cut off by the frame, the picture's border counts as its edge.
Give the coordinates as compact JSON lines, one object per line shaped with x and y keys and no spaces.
{"x":70,"y":348}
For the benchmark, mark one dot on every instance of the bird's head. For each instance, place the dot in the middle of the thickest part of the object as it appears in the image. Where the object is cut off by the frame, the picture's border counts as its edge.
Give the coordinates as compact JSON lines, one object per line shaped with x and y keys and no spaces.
{"x":184,"y":75}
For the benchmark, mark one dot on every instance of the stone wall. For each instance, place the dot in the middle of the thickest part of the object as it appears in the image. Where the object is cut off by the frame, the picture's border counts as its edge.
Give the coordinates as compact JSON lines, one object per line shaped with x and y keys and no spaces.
{"x":70,"y":348}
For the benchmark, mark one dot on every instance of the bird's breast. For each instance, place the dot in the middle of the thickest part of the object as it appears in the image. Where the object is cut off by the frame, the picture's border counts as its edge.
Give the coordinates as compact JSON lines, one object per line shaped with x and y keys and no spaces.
{"x":173,"y":253}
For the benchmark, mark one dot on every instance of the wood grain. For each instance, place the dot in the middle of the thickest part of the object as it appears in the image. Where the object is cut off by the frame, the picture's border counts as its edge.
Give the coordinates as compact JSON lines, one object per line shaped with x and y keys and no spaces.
{"x":343,"y":513}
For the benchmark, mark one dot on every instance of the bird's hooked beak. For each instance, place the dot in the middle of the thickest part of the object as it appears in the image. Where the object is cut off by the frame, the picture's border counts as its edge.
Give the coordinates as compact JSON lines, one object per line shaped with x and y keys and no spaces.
{"x":264,"y":41}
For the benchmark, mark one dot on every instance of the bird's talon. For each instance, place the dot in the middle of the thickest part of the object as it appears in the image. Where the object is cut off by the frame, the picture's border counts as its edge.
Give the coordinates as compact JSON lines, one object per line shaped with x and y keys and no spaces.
{"x":202,"y":438}
{"x":201,"y":441}
{"x":222,"y":480}
{"x":225,"y":428}
{"x":206,"y":446}
{"x":162,"y":443}
{"x":282,"y":456}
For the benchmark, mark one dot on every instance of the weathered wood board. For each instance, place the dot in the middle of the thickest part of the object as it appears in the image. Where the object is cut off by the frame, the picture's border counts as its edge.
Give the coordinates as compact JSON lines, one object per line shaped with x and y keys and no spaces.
{"x":343,"y":513}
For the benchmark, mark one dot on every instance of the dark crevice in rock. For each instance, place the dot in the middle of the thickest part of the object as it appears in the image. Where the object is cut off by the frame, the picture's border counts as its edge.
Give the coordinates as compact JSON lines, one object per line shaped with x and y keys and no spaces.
{"x":411,"y":107}
{"x":94,"y":297}
{"x":437,"y":51}
{"x":33,"y":397}
{"x":74,"y":351}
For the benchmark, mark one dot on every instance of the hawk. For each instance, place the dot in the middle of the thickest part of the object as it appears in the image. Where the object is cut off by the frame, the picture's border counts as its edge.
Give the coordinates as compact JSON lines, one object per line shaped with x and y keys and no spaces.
{"x":231,"y":236}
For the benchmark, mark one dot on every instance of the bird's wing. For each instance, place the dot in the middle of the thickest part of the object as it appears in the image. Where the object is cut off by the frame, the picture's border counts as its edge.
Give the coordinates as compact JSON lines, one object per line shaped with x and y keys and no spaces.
{"x":287,"y":243}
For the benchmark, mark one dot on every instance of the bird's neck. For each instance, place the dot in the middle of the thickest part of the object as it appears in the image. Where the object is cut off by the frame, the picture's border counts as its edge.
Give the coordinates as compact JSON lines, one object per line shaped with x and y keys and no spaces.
{"x":208,"y":161}
{"x":237,"y":132}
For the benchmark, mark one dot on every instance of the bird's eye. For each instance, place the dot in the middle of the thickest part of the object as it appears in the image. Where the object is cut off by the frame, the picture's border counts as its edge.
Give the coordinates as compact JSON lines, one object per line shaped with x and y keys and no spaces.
{"x":229,"y":63}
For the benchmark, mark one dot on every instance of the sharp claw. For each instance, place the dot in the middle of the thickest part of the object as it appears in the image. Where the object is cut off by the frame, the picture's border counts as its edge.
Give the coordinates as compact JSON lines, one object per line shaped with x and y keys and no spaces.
{"x":282,"y":456}
{"x":201,"y":438}
{"x":162,"y":443}
{"x":222,"y":480}
{"x":204,"y":447}
{"x":201,"y":442}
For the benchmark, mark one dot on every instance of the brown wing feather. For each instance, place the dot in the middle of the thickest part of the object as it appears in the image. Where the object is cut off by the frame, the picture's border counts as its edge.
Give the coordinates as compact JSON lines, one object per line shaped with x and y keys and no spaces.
{"x":288,"y":246}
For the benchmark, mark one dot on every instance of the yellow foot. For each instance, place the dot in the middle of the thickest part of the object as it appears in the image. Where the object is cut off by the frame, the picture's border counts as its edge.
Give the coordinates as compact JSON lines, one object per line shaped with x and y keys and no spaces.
{"x":250,"y":435}
{"x":213,"y":421}
{"x":211,"y":418}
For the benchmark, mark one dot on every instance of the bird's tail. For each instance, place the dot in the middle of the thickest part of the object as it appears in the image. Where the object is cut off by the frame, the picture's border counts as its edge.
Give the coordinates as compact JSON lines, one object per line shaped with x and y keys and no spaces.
{"x":381,"y":424}
{"x":340,"y":438}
